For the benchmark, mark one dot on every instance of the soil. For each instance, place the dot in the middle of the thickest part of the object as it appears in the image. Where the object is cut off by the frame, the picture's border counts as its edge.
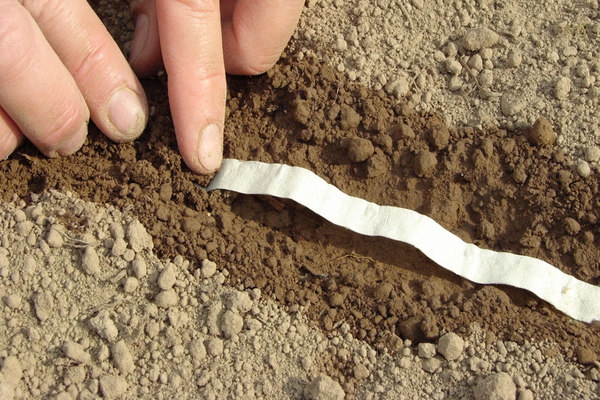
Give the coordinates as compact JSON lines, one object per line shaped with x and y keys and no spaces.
{"x":507,"y":190}
{"x":488,"y":63}
{"x":491,"y":188}
{"x":91,"y":313}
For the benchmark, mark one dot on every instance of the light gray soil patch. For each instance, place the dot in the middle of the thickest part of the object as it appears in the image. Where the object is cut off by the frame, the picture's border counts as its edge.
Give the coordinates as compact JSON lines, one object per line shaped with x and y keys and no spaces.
{"x":89,"y":312}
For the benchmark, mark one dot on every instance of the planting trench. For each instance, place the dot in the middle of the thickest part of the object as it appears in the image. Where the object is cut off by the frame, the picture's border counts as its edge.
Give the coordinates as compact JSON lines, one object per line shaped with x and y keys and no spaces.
{"x":505,"y":190}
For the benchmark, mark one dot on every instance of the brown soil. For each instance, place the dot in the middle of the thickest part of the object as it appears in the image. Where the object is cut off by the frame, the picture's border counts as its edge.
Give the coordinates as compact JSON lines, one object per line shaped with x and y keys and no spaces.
{"x":492,"y":188}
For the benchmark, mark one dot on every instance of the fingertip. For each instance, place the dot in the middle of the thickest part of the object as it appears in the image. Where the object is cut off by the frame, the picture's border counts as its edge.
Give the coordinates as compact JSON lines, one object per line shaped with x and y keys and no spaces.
{"x":210,"y":148}
{"x":145,"y":57}
{"x":74,"y":143}
{"x":9,"y":146}
{"x":11,"y":136}
{"x":140,"y":38}
{"x":128,"y":113}
{"x":208,"y":155}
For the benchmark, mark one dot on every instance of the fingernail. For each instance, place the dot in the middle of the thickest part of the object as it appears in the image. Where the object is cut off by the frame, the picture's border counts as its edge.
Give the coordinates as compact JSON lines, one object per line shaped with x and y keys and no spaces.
{"x":140,"y":36}
{"x":126,"y":113}
{"x":210,"y":147}
{"x":74,"y":143}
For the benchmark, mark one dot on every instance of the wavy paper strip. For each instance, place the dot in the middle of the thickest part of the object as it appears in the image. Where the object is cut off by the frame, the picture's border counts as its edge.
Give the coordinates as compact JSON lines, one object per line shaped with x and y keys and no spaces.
{"x":575,"y":298}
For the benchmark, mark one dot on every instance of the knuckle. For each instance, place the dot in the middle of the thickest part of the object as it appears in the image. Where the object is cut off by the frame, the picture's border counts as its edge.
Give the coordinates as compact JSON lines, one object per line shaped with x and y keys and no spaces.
{"x":95,"y":55}
{"x":40,"y":8}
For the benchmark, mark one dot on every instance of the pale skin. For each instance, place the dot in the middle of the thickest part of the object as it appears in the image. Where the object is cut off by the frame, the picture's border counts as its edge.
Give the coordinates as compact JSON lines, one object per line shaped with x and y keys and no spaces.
{"x":59,"y":67}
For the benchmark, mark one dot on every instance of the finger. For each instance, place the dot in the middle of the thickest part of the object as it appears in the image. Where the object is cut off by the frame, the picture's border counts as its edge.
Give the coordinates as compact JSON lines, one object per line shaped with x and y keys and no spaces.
{"x":145,"y":57}
{"x":190,"y":39}
{"x":256,"y":32}
{"x":10,"y":135}
{"x":36,"y":90}
{"x":116,"y":100}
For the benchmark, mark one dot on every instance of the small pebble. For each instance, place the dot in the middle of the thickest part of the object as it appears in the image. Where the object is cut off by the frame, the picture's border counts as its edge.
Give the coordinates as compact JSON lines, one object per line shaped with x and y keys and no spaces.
{"x":137,"y":237}
{"x":586,"y":356}
{"x":454,"y":83}
{"x":76,"y":352}
{"x":431,"y":365}
{"x":167,"y":277}
{"x":130,"y":284}
{"x":486,"y":54}
{"x":54,"y":238}
{"x":514,"y":58}
{"x":476,"y":62}
{"x":562,"y":87}
{"x":525,"y":394}
{"x":426,"y":350}
{"x":104,"y":326}
{"x":44,"y":305}
{"x":398,"y":87}
{"x":542,"y":133}
{"x":323,"y":388}
{"x":166,"y":299}
{"x":498,"y":386}
{"x":451,"y":50}
{"x":90,"y":262}
{"x":405,"y":362}
{"x":19,"y":215}
{"x":214,"y":347}
{"x":197,"y":349}
{"x":450,"y":346}
{"x":486,"y":78}
{"x":23,"y":228}
{"x":592,"y":153}
{"x":231,"y":324}
{"x":122,"y":357}
{"x":453,"y":67}
{"x":13,"y":301}
{"x":583,"y":168}
{"x":359,"y":149}
{"x":208,"y":269}
{"x":572,"y":226}
{"x":139,"y":268}
{"x":361,"y":372}
{"x":117,"y":231}
{"x":479,"y":38}
{"x":119,"y":246}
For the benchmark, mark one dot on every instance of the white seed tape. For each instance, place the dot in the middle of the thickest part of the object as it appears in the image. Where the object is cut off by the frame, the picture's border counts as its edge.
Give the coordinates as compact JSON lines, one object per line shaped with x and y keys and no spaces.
{"x":575,"y":298}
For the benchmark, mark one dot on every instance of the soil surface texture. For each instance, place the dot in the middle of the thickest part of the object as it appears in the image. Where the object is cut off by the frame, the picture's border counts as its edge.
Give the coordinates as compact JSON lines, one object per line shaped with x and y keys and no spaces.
{"x":362,"y":308}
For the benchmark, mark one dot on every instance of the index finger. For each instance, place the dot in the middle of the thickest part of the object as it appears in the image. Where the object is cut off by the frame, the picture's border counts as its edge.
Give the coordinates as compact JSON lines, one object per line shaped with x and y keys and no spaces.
{"x":190,"y":39}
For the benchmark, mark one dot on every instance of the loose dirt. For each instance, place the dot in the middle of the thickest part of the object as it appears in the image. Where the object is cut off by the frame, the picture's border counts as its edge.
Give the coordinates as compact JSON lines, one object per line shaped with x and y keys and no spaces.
{"x":486,"y":63}
{"x":492,"y":188}
{"x":90,"y":312}
{"x":511,"y":190}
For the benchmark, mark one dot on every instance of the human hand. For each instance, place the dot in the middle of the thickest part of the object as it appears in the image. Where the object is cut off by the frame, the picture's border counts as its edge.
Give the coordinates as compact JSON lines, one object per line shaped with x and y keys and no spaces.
{"x":197,"y":41}
{"x":59,"y":66}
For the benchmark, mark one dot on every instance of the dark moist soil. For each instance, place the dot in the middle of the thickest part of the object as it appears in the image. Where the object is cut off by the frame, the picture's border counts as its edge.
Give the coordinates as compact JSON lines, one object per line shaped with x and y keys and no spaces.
{"x":492,"y":188}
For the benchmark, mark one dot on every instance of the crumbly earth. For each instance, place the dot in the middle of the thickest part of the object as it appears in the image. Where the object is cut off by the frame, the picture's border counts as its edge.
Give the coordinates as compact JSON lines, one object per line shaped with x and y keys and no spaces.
{"x":88,"y":311}
{"x":485,"y":63}
{"x":515,"y":190}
